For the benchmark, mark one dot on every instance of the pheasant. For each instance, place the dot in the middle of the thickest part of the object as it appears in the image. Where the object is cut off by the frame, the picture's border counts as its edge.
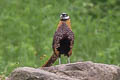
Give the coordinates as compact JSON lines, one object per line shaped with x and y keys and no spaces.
{"x":63,"y":41}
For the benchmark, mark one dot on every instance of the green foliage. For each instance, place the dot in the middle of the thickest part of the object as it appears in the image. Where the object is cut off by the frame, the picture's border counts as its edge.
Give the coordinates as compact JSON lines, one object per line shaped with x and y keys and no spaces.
{"x":27,"y":28}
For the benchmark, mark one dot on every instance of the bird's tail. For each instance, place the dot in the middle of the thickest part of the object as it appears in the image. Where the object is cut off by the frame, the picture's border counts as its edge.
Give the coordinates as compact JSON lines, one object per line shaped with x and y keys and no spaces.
{"x":52,"y":59}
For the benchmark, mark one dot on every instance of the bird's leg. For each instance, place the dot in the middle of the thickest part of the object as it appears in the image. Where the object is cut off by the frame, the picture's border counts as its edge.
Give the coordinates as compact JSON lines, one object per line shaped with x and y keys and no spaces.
{"x":68,"y":59}
{"x":69,"y":54}
{"x":59,"y":60}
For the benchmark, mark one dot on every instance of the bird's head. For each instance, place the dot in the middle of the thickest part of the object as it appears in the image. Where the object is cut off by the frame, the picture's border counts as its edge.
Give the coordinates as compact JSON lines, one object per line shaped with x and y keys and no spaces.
{"x":64,"y":17}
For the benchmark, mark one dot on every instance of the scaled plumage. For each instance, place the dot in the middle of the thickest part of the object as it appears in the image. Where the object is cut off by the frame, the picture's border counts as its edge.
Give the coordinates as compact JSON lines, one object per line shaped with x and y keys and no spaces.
{"x":63,"y":40}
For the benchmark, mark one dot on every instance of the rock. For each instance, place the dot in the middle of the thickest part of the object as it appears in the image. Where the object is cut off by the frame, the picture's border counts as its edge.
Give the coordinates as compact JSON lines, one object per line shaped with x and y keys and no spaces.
{"x":73,"y":71}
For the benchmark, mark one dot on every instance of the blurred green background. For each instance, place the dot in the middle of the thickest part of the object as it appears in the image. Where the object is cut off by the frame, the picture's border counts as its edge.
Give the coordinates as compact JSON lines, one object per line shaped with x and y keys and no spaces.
{"x":27,"y":28}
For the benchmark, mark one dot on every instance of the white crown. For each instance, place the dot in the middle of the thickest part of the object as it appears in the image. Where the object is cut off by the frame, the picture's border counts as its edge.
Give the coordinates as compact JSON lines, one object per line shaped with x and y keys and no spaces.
{"x":61,"y":17}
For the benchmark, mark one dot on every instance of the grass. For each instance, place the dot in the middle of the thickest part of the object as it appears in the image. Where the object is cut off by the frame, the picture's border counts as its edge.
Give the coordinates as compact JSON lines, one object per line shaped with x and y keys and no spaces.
{"x":27,"y":28}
